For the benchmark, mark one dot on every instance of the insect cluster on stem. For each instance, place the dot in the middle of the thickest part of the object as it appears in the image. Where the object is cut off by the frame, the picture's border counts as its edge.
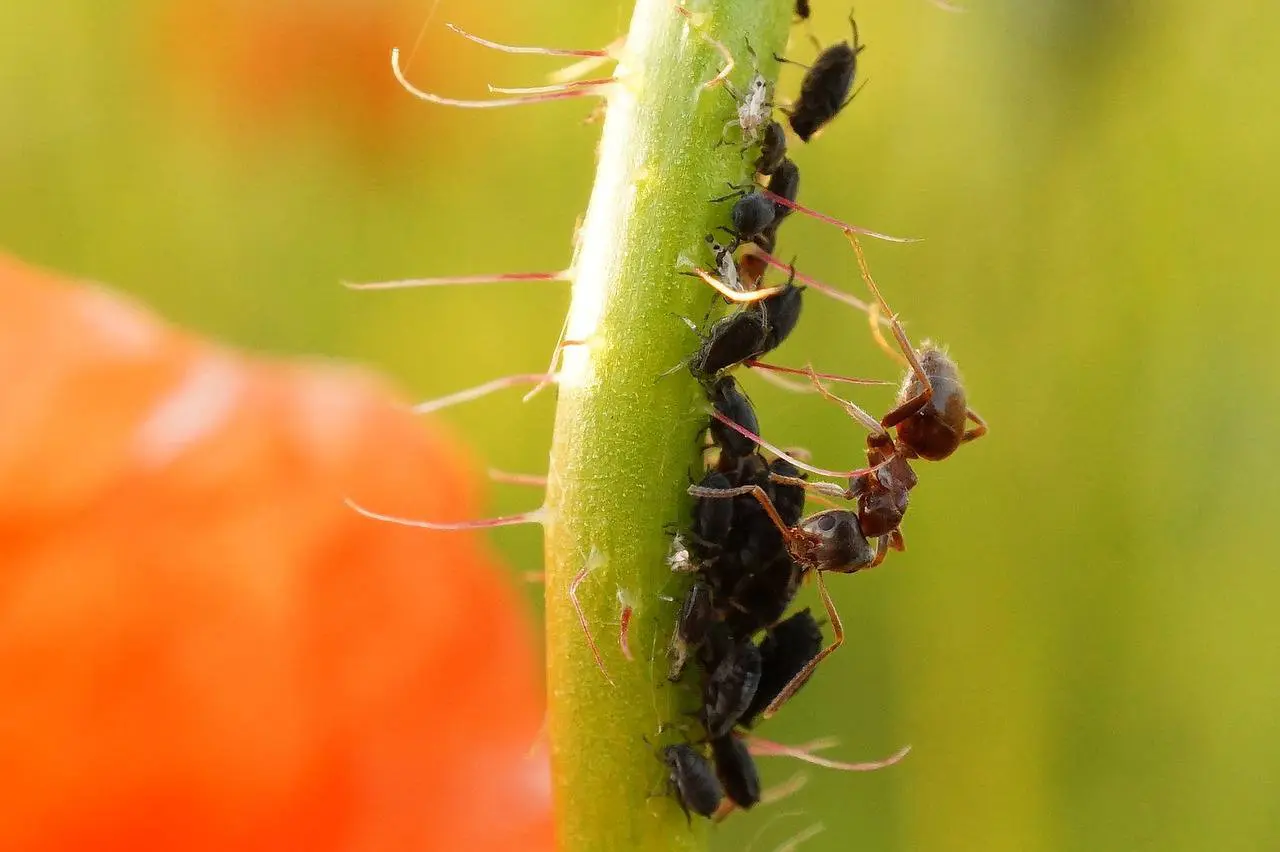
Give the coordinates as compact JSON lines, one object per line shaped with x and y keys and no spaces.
{"x":750,"y":545}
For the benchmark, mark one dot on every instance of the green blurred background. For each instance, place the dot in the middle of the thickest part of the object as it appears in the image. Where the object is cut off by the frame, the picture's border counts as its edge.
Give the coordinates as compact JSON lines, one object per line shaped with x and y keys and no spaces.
{"x":1081,"y":642}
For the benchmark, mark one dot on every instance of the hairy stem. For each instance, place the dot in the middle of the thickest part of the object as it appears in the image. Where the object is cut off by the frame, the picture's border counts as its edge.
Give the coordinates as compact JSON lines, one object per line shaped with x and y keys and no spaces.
{"x":625,"y":436}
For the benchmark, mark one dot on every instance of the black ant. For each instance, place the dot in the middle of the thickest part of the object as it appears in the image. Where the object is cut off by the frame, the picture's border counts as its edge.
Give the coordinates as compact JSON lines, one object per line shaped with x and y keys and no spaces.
{"x":736,"y":770}
{"x":692,"y":781}
{"x":824,"y":91}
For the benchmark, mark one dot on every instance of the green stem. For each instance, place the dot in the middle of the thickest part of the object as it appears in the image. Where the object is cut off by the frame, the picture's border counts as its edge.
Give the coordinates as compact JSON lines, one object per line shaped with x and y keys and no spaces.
{"x":625,"y":442}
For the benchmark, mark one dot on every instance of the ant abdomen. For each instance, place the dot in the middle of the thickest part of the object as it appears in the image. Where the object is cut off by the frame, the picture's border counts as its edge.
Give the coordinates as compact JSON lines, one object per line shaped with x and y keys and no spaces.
{"x":837,"y":541}
{"x":937,"y":429}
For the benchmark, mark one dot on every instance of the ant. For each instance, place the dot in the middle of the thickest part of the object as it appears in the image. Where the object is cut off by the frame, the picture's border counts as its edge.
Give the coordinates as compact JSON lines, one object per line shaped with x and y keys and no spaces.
{"x":736,"y":770}
{"x":691,"y":780}
{"x":830,"y":540}
{"x":824,"y":91}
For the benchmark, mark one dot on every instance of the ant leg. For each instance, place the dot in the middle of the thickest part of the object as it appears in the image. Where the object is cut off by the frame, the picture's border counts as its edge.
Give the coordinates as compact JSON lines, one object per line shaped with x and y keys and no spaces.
{"x":828,"y":488}
{"x":920,"y":400}
{"x":560,"y":95}
{"x":483,"y":390}
{"x":755,"y":491}
{"x":601,"y":53}
{"x":874,"y":319}
{"x":592,"y":563}
{"x":803,"y":675}
{"x":882,"y":550}
{"x":404,"y":284}
{"x":752,"y":436}
{"x":831,"y":377}
{"x":825,"y":289}
{"x":979,"y":430}
{"x":853,"y":410}
{"x":517,"y":478}
{"x":844,"y":226}
{"x":537,"y":516}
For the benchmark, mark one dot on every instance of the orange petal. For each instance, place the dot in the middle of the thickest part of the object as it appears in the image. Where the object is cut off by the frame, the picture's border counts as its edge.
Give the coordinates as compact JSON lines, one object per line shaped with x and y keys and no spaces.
{"x":201,"y":648}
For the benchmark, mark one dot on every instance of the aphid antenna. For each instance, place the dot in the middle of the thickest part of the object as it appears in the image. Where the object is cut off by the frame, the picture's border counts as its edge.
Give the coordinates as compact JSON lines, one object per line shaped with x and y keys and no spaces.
{"x":766,"y":748}
{"x":563,"y":92}
{"x":595,"y":560}
{"x":483,"y":390}
{"x":536,"y":516}
{"x":844,"y":226}
{"x":818,"y":471}
{"x":508,"y":478}
{"x":462,"y":280}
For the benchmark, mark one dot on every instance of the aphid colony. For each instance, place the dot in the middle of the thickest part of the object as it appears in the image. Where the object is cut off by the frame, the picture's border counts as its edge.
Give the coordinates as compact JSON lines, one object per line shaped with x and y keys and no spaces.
{"x":750,"y":545}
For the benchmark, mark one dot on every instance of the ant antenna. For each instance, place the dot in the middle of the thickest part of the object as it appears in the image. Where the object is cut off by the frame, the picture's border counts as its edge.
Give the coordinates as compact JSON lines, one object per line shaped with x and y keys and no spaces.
{"x":803,"y":675}
{"x":551,"y":94}
{"x":808,"y":371}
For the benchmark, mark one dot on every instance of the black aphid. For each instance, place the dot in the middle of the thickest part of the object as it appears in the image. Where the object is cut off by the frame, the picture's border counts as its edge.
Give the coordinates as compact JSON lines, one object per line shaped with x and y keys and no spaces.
{"x":752,"y":214}
{"x":802,"y":10}
{"x":712,"y":519}
{"x":733,"y":339}
{"x":824,"y":91}
{"x":692,"y":781}
{"x":730,"y":401}
{"x":733,"y":668}
{"x":786,"y":650}
{"x":737,"y":770}
{"x":773,"y":149}
{"x":696,"y":617}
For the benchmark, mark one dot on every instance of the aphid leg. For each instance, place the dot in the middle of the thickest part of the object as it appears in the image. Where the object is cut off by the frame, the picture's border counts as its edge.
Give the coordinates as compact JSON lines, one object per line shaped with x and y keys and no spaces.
{"x":592,"y":563}
{"x":559,"y":95}
{"x":483,"y":390}
{"x":537,"y":516}
{"x":600,"y":53}
{"x":819,"y":471}
{"x":803,"y":675}
{"x":920,"y":400}
{"x":508,"y":478}
{"x":624,"y":627}
{"x":723,"y":76}
{"x":979,"y":429}
{"x":777,"y":57}
{"x":830,"y":220}
{"x":808,"y":371}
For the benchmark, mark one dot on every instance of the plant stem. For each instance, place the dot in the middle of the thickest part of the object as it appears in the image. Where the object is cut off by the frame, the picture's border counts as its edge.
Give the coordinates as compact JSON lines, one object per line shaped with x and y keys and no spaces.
{"x":625,"y":443}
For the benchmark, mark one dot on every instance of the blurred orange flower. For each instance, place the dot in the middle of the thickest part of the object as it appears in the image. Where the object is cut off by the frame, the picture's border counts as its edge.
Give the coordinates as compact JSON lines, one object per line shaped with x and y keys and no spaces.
{"x":201,"y":648}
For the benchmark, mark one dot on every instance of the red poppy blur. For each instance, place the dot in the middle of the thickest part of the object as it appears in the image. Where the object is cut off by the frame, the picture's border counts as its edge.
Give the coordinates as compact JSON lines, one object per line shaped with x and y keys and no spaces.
{"x":201,"y":647}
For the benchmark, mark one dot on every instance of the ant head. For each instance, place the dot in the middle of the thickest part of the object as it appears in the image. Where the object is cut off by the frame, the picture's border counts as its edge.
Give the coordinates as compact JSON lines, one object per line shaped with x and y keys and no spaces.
{"x":937,"y":429}
{"x":837,"y":541}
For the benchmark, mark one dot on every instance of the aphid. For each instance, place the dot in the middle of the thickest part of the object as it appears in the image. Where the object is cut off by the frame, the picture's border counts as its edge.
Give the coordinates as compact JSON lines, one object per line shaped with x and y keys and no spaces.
{"x":728,"y":399}
{"x":755,"y":110}
{"x":785,"y":184}
{"x":712,"y":519}
{"x":824,"y":91}
{"x":751,"y":215}
{"x":733,"y":675}
{"x":692,"y":781}
{"x":732,"y":340}
{"x":761,"y":597}
{"x":802,"y":10}
{"x":787,"y":498}
{"x":736,"y":770}
{"x":773,"y":149}
{"x":786,"y":650}
{"x":695,"y":619}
